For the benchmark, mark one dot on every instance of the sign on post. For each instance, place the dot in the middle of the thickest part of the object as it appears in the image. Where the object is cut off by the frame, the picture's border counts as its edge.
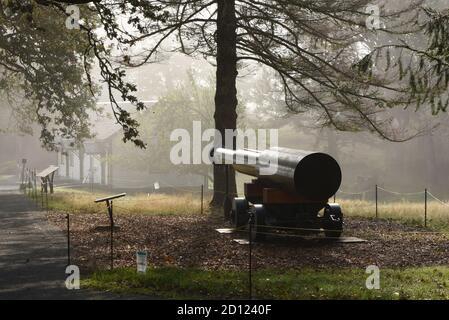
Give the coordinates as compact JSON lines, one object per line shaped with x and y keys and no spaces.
{"x":47,"y":178}
{"x":108,"y":201}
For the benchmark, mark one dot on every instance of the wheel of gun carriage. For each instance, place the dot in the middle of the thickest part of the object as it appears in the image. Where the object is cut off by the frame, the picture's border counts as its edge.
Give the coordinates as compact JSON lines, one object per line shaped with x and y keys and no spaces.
{"x":258,"y":229}
{"x":239,"y":212}
{"x":333,"y":220}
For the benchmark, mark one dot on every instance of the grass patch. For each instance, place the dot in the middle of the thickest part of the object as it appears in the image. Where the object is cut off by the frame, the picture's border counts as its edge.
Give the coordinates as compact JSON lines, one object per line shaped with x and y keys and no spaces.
{"x":174,"y":283}
{"x":189,"y":204}
{"x":78,"y":201}
{"x":403,"y":211}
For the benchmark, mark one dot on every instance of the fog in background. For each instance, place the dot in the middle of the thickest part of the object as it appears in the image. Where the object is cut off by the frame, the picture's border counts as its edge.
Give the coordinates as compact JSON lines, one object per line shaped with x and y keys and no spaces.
{"x":365,"y":158}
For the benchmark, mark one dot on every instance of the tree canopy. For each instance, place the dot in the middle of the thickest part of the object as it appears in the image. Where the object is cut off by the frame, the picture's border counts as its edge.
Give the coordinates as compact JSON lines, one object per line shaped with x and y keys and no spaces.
{"x":336,"y":58}
{"x":43,"y":72}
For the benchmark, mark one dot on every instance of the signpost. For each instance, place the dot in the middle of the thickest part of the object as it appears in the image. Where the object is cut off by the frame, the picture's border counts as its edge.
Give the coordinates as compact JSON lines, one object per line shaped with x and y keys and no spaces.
{"x":47,"y":178}
{"x":109,"y":206}
{"x":22,"y":174}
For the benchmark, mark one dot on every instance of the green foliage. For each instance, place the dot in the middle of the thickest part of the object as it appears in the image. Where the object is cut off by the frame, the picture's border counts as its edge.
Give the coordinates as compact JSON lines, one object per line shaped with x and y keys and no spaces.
{"x":42,"y":71}
{"x":423,"y":63}
{"x":313,"y":47}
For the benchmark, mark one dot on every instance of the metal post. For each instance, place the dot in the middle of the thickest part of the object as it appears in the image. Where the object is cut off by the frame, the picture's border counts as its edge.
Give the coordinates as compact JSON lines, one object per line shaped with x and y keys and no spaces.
{"x":46,"y":198}
{"x":111,"y":219}
{"x":425,"y":208}
{"x":109,"y":204}
{"x":35,"y":187}
{"x":377,"y":210}
{"x":335,"y":198}
{"x":226,"y":204}
{"x":202,"y":197}
{"x":250,"y":255}
{"x":22,"y":175}
{"x":68,"y":239}
{"x":27,"y":183}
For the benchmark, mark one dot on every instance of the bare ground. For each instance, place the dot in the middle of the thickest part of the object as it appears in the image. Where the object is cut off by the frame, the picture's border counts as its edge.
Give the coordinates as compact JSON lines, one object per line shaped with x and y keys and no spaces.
{"x":191,"y":241}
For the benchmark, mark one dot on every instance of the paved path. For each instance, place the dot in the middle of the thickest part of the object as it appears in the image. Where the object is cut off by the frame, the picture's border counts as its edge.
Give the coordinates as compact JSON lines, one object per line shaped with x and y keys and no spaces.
{"x":33,"y":253}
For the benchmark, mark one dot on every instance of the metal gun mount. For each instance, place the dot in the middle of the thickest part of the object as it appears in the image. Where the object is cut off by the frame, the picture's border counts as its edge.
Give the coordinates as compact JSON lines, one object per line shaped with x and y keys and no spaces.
{"x":291,"y":190}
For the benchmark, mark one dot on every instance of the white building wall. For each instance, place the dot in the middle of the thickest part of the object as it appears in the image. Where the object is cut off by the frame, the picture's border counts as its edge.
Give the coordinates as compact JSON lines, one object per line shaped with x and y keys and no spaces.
{"x":62,"y":163}
{"x":92,"y":168}
{"x":97,"y":169}
{"x":73,"y":163}
{"x":76,"y":165}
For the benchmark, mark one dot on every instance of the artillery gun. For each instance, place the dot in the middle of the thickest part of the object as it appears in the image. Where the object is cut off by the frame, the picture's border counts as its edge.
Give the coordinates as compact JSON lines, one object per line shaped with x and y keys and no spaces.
{"x":291,"y":190}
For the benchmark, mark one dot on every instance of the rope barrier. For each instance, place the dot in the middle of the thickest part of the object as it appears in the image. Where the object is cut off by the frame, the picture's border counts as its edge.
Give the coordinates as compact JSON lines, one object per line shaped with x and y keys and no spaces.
{"x":401,"y":194}
{"x":353,"y":193}
{"x":438,"y":200}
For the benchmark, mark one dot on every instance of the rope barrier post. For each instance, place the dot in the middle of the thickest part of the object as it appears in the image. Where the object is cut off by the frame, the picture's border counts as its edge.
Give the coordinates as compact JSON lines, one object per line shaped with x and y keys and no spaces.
{"x":35,"y":186}
{"x":46,"y":195}
{"x":111,"y":217}
{"x":68,"y":239}
{"x":202,"y":197}
{"x":425,"y":208}
{"x":42,"y":196}
{"x":109,"y":205}
{"x":250,"y":247}
{"x":227,"y":205}
{"x":377,"y":209}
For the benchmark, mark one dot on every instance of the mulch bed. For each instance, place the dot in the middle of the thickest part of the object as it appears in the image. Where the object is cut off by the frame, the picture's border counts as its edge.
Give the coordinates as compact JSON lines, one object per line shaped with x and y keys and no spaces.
{"x":191,"y":241}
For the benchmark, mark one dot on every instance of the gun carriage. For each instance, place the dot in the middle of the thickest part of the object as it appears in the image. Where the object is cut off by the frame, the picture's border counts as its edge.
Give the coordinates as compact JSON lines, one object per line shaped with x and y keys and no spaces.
{"x":291,"y":190}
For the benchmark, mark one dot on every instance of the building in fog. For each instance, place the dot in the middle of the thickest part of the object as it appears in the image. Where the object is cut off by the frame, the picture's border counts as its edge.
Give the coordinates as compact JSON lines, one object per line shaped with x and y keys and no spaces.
{"x":95,"y":162}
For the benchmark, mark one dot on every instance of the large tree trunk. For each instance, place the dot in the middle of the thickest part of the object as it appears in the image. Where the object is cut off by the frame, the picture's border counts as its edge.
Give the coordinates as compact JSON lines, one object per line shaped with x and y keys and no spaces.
{"x":226,"y":92}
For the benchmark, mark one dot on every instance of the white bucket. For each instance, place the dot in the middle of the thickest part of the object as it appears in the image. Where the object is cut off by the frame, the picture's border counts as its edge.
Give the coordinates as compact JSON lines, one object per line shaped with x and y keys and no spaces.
{"x":142,"y":261}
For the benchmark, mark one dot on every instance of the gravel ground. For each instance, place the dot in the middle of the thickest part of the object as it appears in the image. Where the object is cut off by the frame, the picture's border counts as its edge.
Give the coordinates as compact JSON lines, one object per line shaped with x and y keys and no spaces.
{"x":191,"y":241}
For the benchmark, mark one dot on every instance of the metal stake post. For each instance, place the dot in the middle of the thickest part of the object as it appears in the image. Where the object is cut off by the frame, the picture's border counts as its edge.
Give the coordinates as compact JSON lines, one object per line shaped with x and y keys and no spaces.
{"x":251,"y":221}
{"x":68,"y":239}
{"x":46,"y":196}
{"x":377,"y":210}
{"x":425,"y":208}
{"x":111,"y":219}
{"x":109,"y":206}
{"x":202,"y":197}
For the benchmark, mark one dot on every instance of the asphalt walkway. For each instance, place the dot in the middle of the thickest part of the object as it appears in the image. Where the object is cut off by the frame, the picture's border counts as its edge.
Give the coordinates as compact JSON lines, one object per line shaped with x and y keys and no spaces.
{"x":33,"y":253}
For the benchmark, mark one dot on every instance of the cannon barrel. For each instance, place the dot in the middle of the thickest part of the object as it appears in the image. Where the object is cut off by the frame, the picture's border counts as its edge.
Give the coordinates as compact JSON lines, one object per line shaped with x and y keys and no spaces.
{"x":313,"y":175}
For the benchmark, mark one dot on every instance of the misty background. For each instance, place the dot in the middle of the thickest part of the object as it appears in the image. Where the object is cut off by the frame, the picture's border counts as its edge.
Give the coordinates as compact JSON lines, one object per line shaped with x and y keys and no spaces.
{"x":180,"y":90}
